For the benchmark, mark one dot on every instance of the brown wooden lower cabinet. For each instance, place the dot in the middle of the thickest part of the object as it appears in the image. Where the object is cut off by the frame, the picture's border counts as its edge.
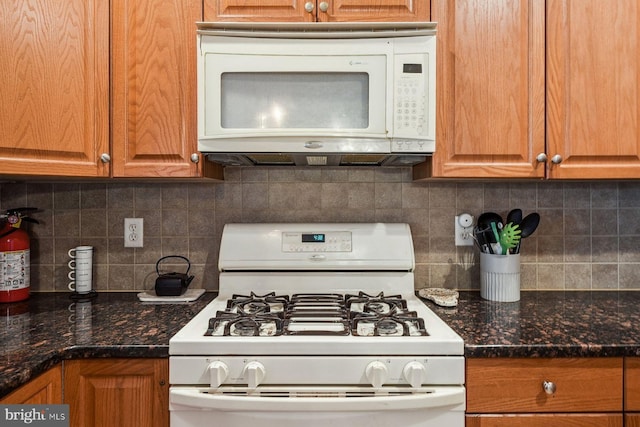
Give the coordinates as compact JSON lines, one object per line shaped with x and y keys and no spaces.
{"x":632,"y":420}
{"x":117,"y":392}
{"x":555,"y":420}
{"x":561,"y":392}
{"x":44,"y":389}
{"x":632,"y":391}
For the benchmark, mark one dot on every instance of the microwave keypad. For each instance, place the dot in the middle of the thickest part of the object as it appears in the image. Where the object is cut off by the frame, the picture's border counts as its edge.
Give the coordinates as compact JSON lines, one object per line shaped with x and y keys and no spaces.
{"x":409,"y":106}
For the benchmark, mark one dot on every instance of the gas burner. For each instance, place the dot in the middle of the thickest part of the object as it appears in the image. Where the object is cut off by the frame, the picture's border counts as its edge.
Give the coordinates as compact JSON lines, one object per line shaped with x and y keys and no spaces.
{"x":394,"y":323}
{"x":378,"y":304}
{"x":257,"y":304}
{"x":240,"y":324}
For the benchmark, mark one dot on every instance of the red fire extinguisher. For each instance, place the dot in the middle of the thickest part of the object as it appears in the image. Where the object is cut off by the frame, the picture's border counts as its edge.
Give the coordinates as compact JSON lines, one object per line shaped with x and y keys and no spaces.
{"x":15,"y":276}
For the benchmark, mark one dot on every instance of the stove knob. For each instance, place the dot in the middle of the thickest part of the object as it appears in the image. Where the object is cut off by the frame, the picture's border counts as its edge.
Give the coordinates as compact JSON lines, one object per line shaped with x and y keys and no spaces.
{"x":414,"y":373}
{"x":254,"y":373}
{"x":376,"y":373}
{"x":218,"y":372}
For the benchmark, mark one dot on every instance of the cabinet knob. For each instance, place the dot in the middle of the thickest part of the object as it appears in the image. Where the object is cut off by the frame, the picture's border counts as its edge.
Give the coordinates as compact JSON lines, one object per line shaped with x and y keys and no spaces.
{"x":556,"y":159}
{"x":324,"y":6}
{"x":195,"y":158}
{"x":105,"y":158}
{"x":308,"y":6}
{"x":542,"y":157}
{"x":549,"y":387}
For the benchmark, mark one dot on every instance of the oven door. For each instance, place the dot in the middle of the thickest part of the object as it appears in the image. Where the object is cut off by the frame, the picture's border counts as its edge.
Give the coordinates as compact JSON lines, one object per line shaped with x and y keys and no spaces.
{"x":317,"y":406}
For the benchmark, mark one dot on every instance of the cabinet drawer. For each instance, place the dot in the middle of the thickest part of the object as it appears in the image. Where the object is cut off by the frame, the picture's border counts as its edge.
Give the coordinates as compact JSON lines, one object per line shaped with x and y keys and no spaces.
{"x":632,"y":384}
{"x":555,"y":420}
{"x":516,"y":385}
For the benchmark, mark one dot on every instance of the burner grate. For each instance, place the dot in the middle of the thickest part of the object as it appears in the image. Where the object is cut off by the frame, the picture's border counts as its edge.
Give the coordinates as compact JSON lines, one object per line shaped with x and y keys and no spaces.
{"x":317,"y":314}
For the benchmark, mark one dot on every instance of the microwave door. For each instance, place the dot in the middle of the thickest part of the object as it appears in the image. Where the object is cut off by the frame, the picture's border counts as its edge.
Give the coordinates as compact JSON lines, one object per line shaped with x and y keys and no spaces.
{"x":295,"y":100}
{"x":294,"y":96}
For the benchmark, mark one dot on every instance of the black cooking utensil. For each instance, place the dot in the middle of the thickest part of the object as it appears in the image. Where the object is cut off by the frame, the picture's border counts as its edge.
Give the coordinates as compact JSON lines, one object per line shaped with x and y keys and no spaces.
{"x":486,"y":218}
{"x":514,"y":216}
{"x":485,"y":221}
{"x":528,"y":225}
{"x":481,"y":239}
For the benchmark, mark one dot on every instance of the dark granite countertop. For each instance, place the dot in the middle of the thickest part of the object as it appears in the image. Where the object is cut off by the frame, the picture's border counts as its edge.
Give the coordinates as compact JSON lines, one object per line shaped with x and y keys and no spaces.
{"x":38,"y":333}
{"x":548,"y":324}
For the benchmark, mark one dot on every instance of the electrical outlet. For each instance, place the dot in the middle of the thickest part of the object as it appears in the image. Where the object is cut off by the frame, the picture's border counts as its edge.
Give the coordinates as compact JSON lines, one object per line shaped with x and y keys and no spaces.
{"x":464,"y":230}
{"x":133,"y":232}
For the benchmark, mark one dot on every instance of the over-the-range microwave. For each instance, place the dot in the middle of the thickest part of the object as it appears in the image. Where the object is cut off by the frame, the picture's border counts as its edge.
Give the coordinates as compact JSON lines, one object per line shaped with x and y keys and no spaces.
{"x":317,"y":93}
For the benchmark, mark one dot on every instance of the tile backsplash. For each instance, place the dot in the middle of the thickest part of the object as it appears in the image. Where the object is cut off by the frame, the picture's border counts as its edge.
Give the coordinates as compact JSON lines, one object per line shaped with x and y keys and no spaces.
{"x":586,"y":239}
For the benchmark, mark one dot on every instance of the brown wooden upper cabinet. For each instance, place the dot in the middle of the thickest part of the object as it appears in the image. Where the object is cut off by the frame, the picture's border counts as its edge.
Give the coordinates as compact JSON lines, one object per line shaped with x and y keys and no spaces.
{"x":593,"y":88}
{"x":497,"y":118}
{"x":316,"y":10}
{"x":97,"y":89}
{"x":54,"y":109}
{"x":153,"y":77}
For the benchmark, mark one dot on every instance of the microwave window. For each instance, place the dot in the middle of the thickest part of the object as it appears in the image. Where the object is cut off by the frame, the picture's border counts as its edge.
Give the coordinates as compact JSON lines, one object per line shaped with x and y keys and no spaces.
{"x":275,"y":100}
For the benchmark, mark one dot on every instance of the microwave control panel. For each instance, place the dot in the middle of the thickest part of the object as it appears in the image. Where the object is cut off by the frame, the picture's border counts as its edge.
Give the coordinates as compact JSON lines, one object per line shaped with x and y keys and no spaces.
{"x":410,"y":107}
{"x":330,"y":241}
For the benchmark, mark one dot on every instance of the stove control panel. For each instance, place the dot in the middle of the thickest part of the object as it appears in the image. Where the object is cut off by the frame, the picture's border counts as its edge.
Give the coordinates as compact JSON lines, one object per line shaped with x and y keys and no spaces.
{"x":317,"y":241}
{"x":251,"y":372}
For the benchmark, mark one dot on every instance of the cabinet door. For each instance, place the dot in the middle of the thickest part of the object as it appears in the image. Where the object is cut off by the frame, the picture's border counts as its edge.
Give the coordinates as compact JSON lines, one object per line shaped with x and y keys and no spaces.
{"x":316,"y":10}
{"x":490,"y":88}
{"x":117,"y":392}
{"x":260,"y":10}
{"x":54,"y":63}
{"x":373,"y":10}
{"x":42,"y":390}
{"x":154,"y":106}
{"x":632,"y":384}
{"x":593,"y":88}
{"x":537,"y":420}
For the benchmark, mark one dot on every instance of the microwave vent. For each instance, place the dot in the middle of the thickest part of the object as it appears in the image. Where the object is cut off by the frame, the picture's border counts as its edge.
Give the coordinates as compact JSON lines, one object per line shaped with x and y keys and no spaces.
{"x":285,"y":159}
{"x":363,"y":159}
{"x":317,"y":160}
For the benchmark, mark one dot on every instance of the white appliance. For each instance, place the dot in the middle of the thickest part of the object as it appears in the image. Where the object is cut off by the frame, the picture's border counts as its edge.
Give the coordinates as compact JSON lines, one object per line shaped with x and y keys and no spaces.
{"x":316,"y":93}
{"x":316,"y":325}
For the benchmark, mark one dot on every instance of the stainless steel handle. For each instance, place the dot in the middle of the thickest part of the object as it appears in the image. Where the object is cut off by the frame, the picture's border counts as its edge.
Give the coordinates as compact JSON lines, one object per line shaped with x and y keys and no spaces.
{"x":556,"y":159}
{"x":195,"y":158}
{"x":105,"y":158}
{"x":542,"y":157}
{"x":324,"y":6}
{"x":309,"y":6}
{"x":549,"y":387}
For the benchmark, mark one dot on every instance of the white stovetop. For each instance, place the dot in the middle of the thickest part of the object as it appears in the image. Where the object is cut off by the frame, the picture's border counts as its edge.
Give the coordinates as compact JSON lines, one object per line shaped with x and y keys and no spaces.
{"x":442,"y":340}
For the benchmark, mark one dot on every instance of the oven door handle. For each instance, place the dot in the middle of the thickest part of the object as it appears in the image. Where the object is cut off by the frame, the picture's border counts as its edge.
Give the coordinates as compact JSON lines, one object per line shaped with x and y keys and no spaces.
{"x":204,"y":398}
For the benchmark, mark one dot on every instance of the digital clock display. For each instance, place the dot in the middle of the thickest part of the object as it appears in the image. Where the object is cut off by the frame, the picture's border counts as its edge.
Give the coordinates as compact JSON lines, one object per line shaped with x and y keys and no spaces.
{"x":312,"y":238}
{"x":412,"y":68}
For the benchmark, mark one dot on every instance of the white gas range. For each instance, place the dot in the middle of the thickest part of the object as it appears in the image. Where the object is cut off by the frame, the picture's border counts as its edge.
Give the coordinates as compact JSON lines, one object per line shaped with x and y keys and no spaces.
{"x":316,"y":324}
